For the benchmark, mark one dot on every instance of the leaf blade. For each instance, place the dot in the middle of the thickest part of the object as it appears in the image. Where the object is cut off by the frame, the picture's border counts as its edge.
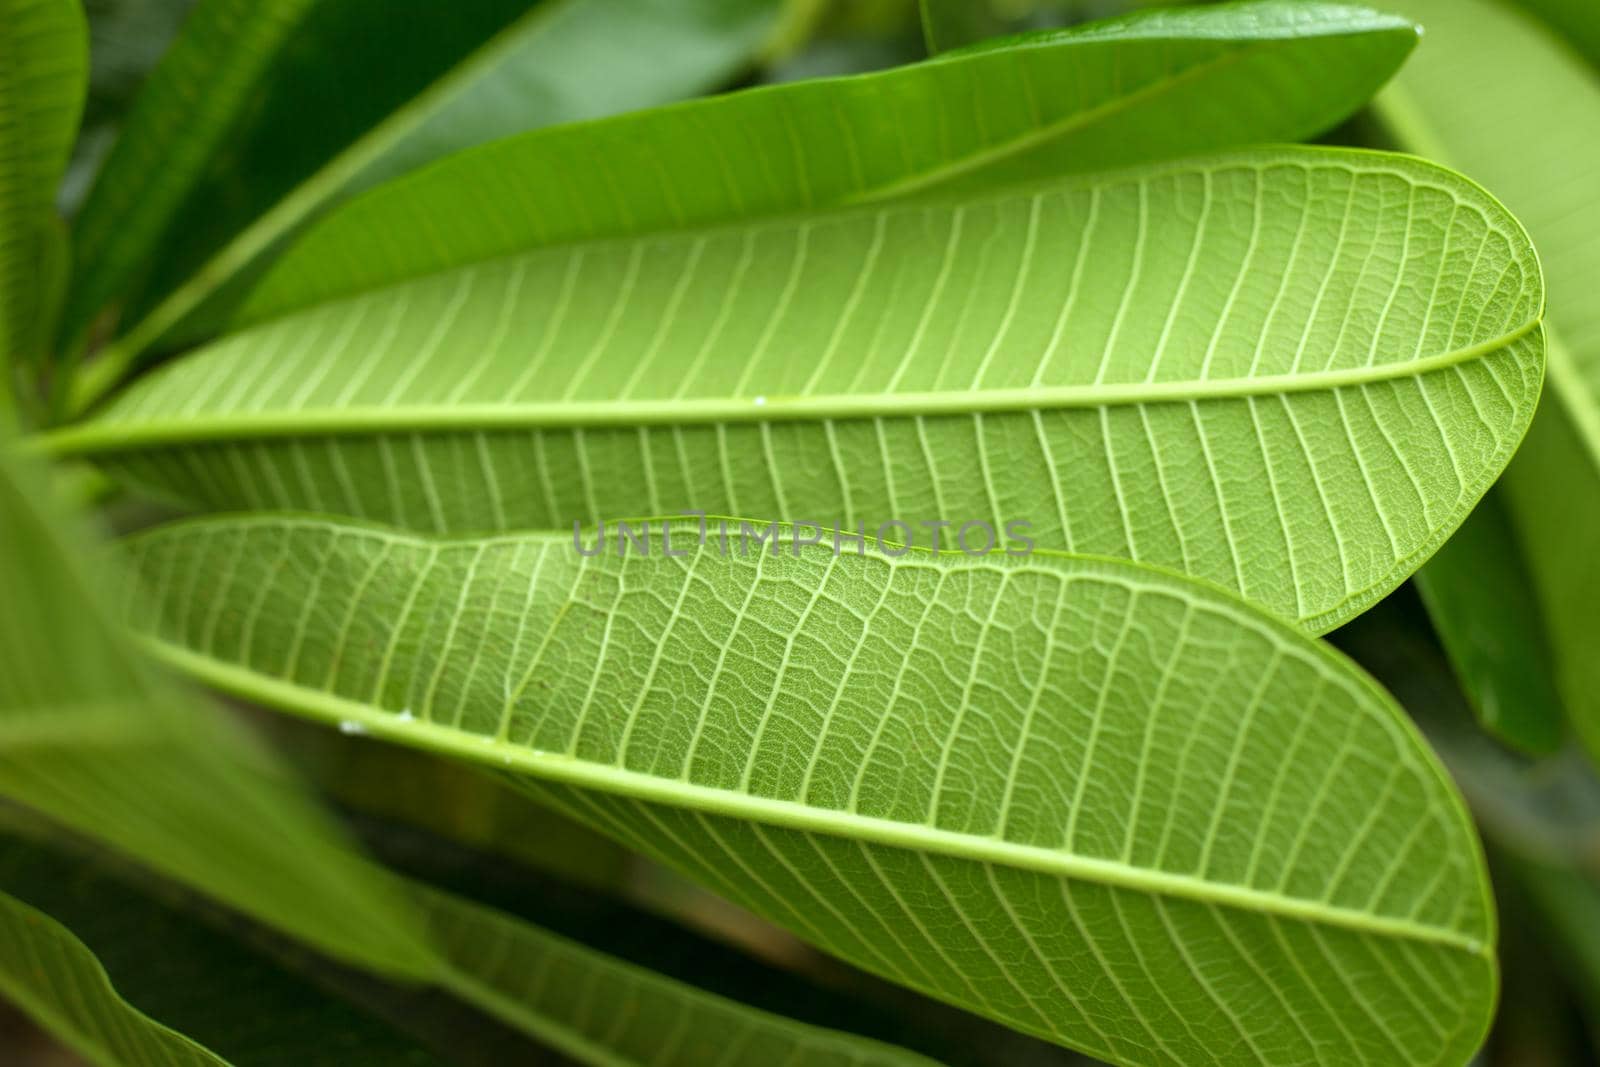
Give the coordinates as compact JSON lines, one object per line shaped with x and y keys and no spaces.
{"x":501,"y":68}
{"x":54,"y":976}
{"x":44,"y":67}
{"x":898,"y":357}
{"x":812,"y":145}
{"x":93,"y":737}
{"x":747,"y":784}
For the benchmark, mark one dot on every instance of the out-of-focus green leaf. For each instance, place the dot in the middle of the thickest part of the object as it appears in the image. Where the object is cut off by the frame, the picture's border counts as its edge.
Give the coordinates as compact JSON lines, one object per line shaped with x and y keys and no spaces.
{"x":1577,"y":20}
{"x":958,"y":773}
{"x":1301,"y":406}
{"x":43,"y":73}
{"x":1481,"y":599}
{"x":1494,"y":94}
{"x":602,"y":1011}
{"x":948,"y":24}
{"x":265,"y":114}
{"x":232,"y":1002}
{"x":93,"y":736}
{"x":1156,"y":85}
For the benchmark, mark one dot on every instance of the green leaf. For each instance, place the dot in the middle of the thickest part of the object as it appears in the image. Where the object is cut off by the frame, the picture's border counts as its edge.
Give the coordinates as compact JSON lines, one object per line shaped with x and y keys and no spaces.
{"x":1151,"y":86}
{"x":1480,"y":598}
{"x":950,"y":24}
{"x":1287,"y":371}
{"x":602,"y":1011}
{"x":1577,"y":20}
{"x":94,"y":737}
{"x":211,"y":979}
{"x":1495,"y":94}
{"x":246,"y":1002}
{"x":44,"y":63}
{"x":1097,"y":802}
{"x":264,"y":115}
{"x":56,"y":980}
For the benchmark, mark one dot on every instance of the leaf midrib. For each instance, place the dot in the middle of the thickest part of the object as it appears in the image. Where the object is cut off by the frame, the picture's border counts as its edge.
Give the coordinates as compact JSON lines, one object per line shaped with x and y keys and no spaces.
{"x":116,"y":434}
{"x":570,"y":770}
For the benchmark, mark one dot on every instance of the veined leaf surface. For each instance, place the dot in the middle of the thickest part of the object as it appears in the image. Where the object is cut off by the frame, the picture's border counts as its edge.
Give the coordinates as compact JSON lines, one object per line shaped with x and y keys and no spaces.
{"x":1288,"y":371}
{"x":264,"y":115}
{"x":1094,"y":801}
{"x":1153,"y":85}
{"x":1534,"y":138}
{"x":44,"y":69}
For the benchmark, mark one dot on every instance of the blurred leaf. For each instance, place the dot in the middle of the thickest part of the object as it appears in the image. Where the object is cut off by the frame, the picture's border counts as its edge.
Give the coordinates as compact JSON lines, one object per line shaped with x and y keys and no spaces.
{"x":43,"y":72}
{"x":450,"y":799}
{"x":1075,"y":356}
{"x":950,"y":24}
{"x":1481,"y":600}
{"x":1494,"y":94}
{"x":231,"y":1003}
{"x":1569,"y":905}
{"x":891,"y":756}
{"x":1577,"y":20}
{"x":93,"y":736}
{"x":264,"y":115}
{"x":1158,"y":85}
{"x":605,"y":1012}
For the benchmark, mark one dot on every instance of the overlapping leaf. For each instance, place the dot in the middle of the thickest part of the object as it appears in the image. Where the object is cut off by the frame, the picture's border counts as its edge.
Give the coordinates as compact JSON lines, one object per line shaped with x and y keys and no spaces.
{"x":93,"y":736}
{"x":1150,"y":86}
{"x":264,"y":115}
{"x":246,"y":1005}
{"x":1288,"y":371}
{"x":1096,"y":802}
{"x":1495,"y":94}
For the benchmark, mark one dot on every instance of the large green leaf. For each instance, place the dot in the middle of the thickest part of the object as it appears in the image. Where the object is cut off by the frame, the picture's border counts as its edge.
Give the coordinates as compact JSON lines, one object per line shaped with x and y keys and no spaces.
{"x":1149,"y":86}
{"x":93,"y":736}
{"x":43,"y":74}
{"x":1496,"y":95}
{"x":1099,"y":803}
{"x":264,"y":115}
{"x":1288,"y":371}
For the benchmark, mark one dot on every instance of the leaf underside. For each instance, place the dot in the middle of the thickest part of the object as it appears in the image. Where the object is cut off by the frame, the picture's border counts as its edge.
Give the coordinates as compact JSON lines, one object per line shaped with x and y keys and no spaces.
{"x":1289,"y":371}
{"x":1098,"y":803}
